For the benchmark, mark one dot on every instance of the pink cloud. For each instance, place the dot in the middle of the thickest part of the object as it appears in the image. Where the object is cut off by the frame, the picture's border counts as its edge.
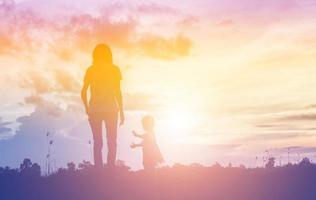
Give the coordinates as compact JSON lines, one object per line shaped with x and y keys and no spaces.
{"x":34,"y":100}
{"x":154,"y":8}
{"x":23,"y":29}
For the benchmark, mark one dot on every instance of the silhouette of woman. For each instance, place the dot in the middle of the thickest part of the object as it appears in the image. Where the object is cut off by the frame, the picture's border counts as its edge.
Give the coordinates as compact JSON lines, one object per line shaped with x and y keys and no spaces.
{"x":103,"y":78}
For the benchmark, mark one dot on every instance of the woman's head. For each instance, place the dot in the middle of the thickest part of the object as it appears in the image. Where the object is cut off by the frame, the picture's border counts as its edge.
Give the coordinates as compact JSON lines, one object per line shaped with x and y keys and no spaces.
{"x":148,"y":123}
{"x":102,"y":55}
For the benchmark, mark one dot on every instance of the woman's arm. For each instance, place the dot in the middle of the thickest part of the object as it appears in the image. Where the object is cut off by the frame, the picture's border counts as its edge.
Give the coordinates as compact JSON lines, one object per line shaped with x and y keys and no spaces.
{"x":84,"y":96}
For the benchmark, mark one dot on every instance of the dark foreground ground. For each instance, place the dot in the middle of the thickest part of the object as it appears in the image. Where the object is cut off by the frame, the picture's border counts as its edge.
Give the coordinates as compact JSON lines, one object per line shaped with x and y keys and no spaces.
{"x":291,"y":182}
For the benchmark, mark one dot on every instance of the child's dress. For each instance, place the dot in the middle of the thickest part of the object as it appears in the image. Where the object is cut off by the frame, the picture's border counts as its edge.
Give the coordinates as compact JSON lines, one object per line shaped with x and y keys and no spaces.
{"x":151,"y":153}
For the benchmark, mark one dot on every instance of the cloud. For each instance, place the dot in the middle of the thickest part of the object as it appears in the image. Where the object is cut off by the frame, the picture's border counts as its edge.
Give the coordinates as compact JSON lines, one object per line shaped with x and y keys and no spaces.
{"x":65,"y":81}
{"x":188,"y":21}
{"x":120,"y":32}
{"x":5,"y":130}
{"x":48,"y":82}
{"x":249,"y":7}
{"x":26,"y":29}
{"x":88,"y":29}
{"x":277,"y":127}
{"x":300,"y":117}
{"x":33,"y":100}
{"x":30,"y":139}
{"x":225,"y":22}
{"x":165,"y":48}
{"x":287,"y":57}
{"x":3,"y":127}
{"x":311,"y":106}
{"x":274,"y":136}
{"x":38,"y":82}
{"x":154,"y":8}
{"x":140,"y":101}
{"x":16,"y":26}
{"x":70,"y":131}
{"x":65,"y":89}
{"x":47,"y":116}
{"x":46,"y":110}
{"x":295,"y":150}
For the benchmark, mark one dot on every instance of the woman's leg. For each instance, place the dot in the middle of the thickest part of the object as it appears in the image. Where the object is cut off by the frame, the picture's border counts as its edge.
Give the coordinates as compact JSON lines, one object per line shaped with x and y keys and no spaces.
{"x":111,"y":136}
{"x":96,"y":127}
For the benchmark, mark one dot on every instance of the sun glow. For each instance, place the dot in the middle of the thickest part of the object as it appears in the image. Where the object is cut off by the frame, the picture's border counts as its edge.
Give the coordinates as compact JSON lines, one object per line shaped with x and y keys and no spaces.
{"x":180,"y":120}
{"x":178,"y":124}
{"x":181,"y":116}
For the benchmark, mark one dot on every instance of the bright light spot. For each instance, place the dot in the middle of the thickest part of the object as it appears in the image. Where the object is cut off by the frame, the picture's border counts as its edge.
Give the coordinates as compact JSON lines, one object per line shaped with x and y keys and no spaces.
{"x":179,"y":124}
{"x":180,"y":121}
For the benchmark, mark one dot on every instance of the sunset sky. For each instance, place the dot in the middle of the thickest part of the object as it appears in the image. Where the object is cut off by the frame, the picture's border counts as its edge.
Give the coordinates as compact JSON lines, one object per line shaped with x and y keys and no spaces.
{"x":226,"y":80}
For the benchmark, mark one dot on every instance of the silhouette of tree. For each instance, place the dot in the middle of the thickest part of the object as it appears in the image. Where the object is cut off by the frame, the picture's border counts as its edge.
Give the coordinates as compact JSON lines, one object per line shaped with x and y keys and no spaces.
{"x":84,"y":165}
{"x":26,"y":165}
{"x":305,"y":162}
{"x":242,"y":166}
{"x":215,"y":182}
{"x":29,"y":168}
{"x":35,"y":170}
{"x":217,"y":165}
{"x":196,"y":165}
{"x":71,"y":167}
{"x":270,"y":163}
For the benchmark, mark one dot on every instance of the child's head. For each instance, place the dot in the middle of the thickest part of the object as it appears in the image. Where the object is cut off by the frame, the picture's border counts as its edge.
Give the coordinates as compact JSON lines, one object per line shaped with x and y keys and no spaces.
{"x":148,"y":123}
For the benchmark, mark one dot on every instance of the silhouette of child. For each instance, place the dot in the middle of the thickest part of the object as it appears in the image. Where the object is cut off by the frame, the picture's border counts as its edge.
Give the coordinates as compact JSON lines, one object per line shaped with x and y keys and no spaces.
{"x":151,"y":153}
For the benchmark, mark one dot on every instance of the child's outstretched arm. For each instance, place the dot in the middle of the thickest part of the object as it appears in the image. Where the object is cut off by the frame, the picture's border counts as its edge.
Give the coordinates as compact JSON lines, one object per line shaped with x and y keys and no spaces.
{"x":136,"y":145}
{"x":137,"y":135}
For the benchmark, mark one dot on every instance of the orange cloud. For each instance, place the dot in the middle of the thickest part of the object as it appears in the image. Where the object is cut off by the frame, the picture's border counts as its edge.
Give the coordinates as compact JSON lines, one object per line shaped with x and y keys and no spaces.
{"x":36,"y":82}
{"x":140,"y":101}
{"x":65,"y":81}
{"x":25,"y":30}
{"x":34,"y":100}
{"x":52,"y":81}
{"x":85,"y":30}
{"x":165,"y":48}
{"x":16,"y":26}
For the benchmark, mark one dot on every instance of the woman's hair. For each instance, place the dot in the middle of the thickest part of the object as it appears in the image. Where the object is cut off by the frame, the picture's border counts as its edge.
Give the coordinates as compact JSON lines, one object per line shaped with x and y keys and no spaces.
{"x":102,"y":54}
{"x":148,"y":122}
